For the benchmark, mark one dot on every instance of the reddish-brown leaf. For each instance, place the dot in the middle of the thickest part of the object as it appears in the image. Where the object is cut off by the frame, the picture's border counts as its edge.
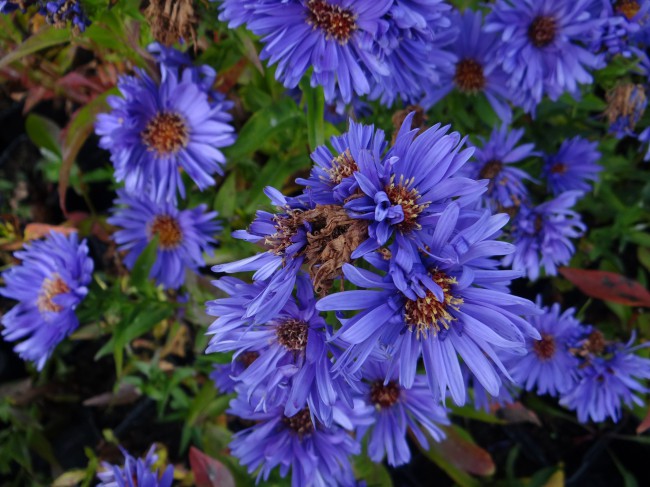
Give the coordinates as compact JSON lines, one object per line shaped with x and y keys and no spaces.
{"x":518,"y":413}
{"x":645,"y":424}
{"x":608,"y":286}
{"x":209,"y":472}
{"x":34,"y":231}
{"x":464,"y":455}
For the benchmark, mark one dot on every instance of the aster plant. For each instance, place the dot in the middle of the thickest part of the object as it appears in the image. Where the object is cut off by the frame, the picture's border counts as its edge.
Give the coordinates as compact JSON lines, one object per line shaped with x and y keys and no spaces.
{"x":543,"y":235}
{"x":475,"y":71}
{"x":544,"y":47}
{"x":49,"y":284}
{"x":574,"y":166}
{"x":156,"y":129}
{"x":494,"y":159}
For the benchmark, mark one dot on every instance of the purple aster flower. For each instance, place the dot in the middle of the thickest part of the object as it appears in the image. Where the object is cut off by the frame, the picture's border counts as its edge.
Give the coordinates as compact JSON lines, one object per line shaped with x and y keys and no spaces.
{"x":7,"y":6}
{"x":542,"y":235}
{"x":293,"y":364}
{"x":573,"y":167}
{"x":408,"y":189}
{"x":314,"y":455}
{"x":543,"y":48}
{"x":474,"y":70}
{"x":626,"y":104}
{"x":331,"y":180}
{"x":335,"y":37}
{"x":183,"y":235}
{"x":550,"y":367}
{"x":136,"y":472}
{"x":439,"y":307}
{"x":393,"y":410}
{"x":413,"y":49}
{"x":494,"y":160}
{"x":609,"y":377}
{"x":59,"y":12}
{"x":48,"y":285}
{"x":155,"y":130}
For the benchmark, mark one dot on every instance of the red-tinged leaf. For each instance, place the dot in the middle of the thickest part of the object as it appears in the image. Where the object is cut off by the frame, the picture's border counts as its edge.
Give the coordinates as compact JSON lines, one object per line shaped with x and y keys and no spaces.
{"x":518,"y":413}
{"x":608,"y":286}
{"x":35,"y":231}
{"x":76,"y":80}
{"x":464,"y":455}
{"x":644,"y":425}
{"x":209,"y":472}
{"x":75,"y":134}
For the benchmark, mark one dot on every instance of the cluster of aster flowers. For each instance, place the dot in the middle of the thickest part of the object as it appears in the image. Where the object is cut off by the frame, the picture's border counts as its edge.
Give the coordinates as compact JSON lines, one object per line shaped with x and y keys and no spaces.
{"x":591,"y":375}
{"x":49,"y":283}
{"x":393,"y":241}
{"x":543,"y":232}
{"x":158,"y":132}
{"x":58,"y":13}
{"x":136,"y":472}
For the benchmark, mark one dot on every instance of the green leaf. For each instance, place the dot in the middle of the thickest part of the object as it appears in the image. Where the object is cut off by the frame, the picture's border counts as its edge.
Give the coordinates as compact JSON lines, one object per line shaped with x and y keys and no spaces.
{"x":315,"y":100}
{"x":478,"y":415}
{"x":226,"y":201}
{"x":44,"y":133}
{"x":142,"y":266}
{"x":375,"y":474}
{"x":628,"y":477}
{"x":147,"y":317}
{"x":262,"y":125}
{"x":46,"y":37}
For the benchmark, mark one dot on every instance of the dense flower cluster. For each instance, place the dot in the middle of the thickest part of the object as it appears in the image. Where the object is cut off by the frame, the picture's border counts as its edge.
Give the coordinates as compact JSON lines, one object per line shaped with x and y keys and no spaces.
{"x":590,"y":374}
{"x":58,"y":13}
{"x":49,"y":283}
{"x":156,"y":129}
{"x":399,"y":224}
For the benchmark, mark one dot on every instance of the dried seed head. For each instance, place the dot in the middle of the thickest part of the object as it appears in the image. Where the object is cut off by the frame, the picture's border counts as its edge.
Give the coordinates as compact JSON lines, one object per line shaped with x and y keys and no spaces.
{"x":292,"y":335}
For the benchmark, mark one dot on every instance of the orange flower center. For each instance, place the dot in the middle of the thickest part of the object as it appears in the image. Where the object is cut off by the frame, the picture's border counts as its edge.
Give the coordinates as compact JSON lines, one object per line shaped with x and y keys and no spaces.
{"x":404,"y":195}
{"x":428,"y":315}
{"x":544,"y":348}
{"x":166,"y":133}
{"x":469,"y":76}
{"x":50,"y":288}
{"x":337,"y":23}
{"x":629,"y":8}
{"x":168,"y":231}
